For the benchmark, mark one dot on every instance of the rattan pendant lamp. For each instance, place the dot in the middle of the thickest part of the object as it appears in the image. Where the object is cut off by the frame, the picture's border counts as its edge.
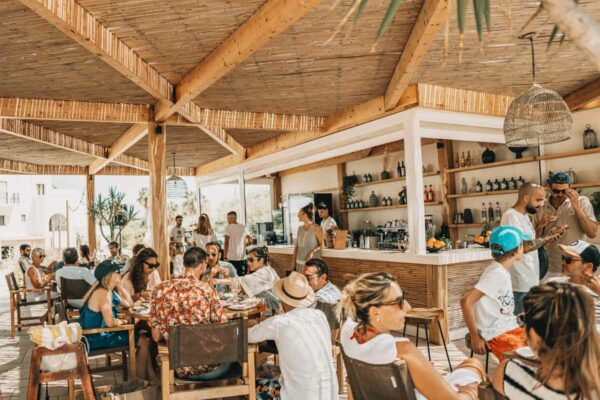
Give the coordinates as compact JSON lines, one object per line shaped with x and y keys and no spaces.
{"x":537,"y":116}
{"x":176,"y":186}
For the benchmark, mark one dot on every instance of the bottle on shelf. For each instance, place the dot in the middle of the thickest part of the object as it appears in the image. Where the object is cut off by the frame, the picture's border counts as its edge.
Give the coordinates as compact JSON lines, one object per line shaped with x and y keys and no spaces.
{"x":369,"y":177}
{"x":468,"y":160}
{"x":431,"y":194}
{"x":496,"y":185}
{"x":457,"y":161}
{"x":504,"y":184}
{"x":520,"y":182}
{"x":402,"y":195}
{"x":425,"y":194}
{"x":512,"y":184}
{"x":489,"y":186}
{"x":399,"y":170}
{"x":498,"y":212}
{"x":483,"y":213}
{"x":403,"y":169}
{"x":490,"y":212}
{"x":478,"y":187}
{"x":462,"y":160}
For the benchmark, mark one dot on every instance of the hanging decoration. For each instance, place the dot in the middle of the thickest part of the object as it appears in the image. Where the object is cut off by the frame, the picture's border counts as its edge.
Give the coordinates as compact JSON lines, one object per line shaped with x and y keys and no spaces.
{"x":176,"y":186}
{"x":537,"y":116}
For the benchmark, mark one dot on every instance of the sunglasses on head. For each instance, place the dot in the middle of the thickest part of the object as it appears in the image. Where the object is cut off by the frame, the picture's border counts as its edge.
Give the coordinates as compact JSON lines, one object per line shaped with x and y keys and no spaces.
{"x":397,"y":301}
{"x":559,"y":191}
{"x":155,"y":265}
{"x":569,"y":260}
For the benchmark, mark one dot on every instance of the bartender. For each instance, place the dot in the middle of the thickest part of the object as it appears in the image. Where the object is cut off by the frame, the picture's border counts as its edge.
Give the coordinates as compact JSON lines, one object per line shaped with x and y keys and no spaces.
{"x":564,"y":207}
{"x":327,"y":222}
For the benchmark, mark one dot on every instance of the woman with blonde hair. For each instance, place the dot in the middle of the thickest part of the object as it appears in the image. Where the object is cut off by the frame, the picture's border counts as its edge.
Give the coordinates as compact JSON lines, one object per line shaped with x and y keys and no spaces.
{"x":560,"y":327}
{"x":373,"y":306}
{"x":203,"y":233}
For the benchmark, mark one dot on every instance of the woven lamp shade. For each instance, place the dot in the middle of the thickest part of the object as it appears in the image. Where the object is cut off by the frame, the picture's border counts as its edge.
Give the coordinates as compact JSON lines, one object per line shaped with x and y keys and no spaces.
{"x":176,"y":188}
{"x":537,"y":116}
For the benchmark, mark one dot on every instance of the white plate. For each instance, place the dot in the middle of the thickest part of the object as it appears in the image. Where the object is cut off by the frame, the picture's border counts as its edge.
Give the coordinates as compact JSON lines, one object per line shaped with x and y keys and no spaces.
{"x":240,"y":307}
{"x":525,"y":352}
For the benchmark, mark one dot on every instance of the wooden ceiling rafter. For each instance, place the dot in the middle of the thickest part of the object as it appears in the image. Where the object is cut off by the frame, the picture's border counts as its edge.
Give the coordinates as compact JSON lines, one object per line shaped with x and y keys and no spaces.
{"x":272,"y":18}
{"x":131,"y":136}
{"x":433,"y":13}
{"x":586,"y":97}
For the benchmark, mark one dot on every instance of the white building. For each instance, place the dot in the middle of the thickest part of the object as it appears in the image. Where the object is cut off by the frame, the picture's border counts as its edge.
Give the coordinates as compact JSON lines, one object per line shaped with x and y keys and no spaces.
{"x":33,"y":211}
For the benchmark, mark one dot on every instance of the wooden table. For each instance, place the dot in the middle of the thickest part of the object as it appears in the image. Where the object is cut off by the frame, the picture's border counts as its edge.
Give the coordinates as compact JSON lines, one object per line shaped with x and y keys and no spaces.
{"x":230,"y":314}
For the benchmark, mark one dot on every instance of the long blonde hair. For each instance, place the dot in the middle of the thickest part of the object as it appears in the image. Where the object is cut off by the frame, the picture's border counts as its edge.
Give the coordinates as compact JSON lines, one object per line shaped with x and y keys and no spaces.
{"x":204,"y":228}
{"x":362,"y":293}
{"x":563,"y":316}
{"x":103,"y":283}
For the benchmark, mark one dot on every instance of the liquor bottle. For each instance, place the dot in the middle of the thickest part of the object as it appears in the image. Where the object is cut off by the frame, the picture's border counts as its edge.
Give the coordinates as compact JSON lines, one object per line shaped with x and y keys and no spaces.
{"x":520,"y":182}
{"x":504,"y":184}
{"x":425,"y":194}
{"x":462,"y":160}
{"x":431,"y":193}
{"x":490,"y":212}
{"x":399,"y":170}
{"x":403,"y":167}
{"x":370,"y":177}
{"x":468,"y":160}
{"x":498,"y":212}
{"x":496,"y":185}
{"x":390,"y":201}
{"x":489,"y":186}
{"x":483,"y":214}
{"x":478,"y":187}
{"x":512,"y":184}
{"x":365,"y":178}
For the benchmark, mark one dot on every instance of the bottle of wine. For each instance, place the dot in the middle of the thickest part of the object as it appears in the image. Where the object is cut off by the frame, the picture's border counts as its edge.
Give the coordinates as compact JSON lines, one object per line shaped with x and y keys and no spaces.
{"x":490,"y":212}
{"x":431,"y":193}
{"x":496,"y":185}
{"x":512,"y":184}
{"x":489,"y":186}
{"x":483,"y":213}
{"x":457,"y":161}
{"x":425,"y":194}
{"x":399,"y":170}
{"x":468,"y":160}
{"x":478,"y":187}
{"x":462,"y":160}
{"x":403,"y":169}
{"x":504,"y":184}
{"x":498,"y":212}
{"x":520,"y":182}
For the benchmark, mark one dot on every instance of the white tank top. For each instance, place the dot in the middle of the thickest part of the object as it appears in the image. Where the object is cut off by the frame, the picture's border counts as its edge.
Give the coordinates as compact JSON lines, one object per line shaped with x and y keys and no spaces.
{"x":29,"y":285}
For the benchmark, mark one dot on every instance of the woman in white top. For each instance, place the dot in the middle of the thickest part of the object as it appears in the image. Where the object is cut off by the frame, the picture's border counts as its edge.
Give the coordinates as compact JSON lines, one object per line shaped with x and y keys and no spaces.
{"x":560,"y":326}
{"x":176,"y":268}
{"x":203,"y":233}
{"x":142,"y":278}
{"x":374,"y":305}
{"x":35,"y":278}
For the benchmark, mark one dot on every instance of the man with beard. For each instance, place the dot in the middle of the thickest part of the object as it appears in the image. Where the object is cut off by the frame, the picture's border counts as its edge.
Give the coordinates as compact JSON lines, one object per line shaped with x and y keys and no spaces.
{"x":526,"y":273}
{"x":564,"y":207}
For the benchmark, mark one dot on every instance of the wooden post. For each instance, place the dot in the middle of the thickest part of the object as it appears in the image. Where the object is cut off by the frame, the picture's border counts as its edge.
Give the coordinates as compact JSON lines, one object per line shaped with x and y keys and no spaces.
{"x":341,"y":174}
{"x":414,"y":187}
{"x":276,"y":192}
{"x":67,"y":217}
{"x":446,"y":161}
{"x":242,"y":183}
{"x":157,"y":163}
{"x":91,"y":224}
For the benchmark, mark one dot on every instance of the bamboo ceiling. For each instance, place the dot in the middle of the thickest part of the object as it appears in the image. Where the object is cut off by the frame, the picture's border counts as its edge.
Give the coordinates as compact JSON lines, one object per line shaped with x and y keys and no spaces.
{"x":294,"y":73}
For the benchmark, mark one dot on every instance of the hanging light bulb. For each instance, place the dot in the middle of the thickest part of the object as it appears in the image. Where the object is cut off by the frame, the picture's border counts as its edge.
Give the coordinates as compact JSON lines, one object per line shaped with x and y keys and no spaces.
{"x":537,"y":116}
{"x":176,"y":186}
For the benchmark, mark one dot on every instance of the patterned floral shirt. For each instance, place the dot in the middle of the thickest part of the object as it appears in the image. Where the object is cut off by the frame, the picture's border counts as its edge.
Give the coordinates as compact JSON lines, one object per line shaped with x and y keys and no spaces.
{"x":184,"y":301}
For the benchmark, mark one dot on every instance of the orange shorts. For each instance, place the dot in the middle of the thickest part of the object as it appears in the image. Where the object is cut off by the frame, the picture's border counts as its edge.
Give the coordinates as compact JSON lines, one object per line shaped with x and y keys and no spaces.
{"x":507,"y":342}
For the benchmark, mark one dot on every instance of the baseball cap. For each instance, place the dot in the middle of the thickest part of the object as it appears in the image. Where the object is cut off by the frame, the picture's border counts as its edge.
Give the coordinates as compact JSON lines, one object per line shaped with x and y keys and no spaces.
{"x":584,"y":250}
{"x":559,"y":177}
{"x":322,"y":206}
{"x":105,"y":268}
{"x":506,"y":238}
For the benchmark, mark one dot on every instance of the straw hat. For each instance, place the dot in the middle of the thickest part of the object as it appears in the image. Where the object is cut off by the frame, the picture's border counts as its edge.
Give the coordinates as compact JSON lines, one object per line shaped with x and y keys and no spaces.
{"x":294,"y":290}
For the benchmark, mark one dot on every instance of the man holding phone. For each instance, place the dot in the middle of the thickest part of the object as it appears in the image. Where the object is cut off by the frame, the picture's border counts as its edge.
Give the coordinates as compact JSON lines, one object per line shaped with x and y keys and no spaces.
{"x":564,"y":207}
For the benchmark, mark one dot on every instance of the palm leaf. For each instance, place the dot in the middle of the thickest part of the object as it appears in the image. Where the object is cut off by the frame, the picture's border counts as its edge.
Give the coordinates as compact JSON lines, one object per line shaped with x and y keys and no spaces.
{"x":461,"y":14}
{"x":361,"y":8}
{"x":552,"y":35}
{"x":478,"y":7}
{"x":389,"y":16}
{"x":486,"y":14}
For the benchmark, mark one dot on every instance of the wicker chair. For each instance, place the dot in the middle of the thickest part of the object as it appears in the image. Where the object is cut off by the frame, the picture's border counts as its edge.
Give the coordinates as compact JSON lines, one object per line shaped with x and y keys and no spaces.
{"x":127,"y":351}
{"x":386,"y":381}
{"x":18,"y":300}
{"x":211,"y":344}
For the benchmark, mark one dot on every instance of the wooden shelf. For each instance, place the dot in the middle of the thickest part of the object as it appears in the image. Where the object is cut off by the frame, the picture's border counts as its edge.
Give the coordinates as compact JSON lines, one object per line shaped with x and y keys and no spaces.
{"x":585,"y":185}
{"x":523,"y":160}
{"x":435,"y":203}
{"x":478,"y":194}
{"x":397,"y":179}
{"x":474,"y":225}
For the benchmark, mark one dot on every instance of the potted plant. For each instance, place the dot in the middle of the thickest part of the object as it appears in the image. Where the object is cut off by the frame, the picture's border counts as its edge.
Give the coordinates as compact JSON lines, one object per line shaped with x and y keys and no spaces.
{"x":348,"y":186}
{"x":595,"y":200}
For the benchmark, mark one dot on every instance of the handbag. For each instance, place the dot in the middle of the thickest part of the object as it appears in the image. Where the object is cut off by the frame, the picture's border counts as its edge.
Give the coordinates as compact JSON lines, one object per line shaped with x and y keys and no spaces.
{"x":53,"y":337}
{"x":544,"y":262}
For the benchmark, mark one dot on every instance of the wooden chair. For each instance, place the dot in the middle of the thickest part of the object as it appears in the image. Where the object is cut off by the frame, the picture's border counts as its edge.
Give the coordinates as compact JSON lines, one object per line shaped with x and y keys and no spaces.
{"x":211,"y":344}
{"x":427,"y":317}
{"x":82,"y":371}
{"x":334,"y":325}
{"x":386,"y":381}
{"x":127,"y":351}
{"x":487,"y":392}
{"x":18,"y":300}
{"x":487,"y":350}
{"x":73,"y":289}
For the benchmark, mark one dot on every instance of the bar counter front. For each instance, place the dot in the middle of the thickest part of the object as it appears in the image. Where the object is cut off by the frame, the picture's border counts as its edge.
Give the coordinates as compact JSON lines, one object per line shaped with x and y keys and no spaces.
{"x":430,"y":280}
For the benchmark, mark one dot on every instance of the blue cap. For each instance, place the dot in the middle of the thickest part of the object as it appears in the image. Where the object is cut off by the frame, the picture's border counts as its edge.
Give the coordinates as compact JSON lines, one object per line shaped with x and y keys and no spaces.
{"x":506,"y":238}
{"x":560,"y":177}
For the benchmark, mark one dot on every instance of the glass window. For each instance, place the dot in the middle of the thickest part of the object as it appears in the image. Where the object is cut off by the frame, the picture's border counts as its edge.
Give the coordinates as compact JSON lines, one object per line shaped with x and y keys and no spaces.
{"x":258,"y":205}
{"x":217,"y":201}
{"x":2,"y":220}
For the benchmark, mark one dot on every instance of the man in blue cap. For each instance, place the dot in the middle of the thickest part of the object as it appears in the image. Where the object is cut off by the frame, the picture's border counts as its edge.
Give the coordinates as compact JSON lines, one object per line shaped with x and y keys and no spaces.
{"x":488,"y":308}
{"x":564,"y":207}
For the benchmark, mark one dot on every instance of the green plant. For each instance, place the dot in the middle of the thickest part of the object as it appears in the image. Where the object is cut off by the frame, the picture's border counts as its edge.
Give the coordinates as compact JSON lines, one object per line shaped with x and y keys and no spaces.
{"x":112,"y":212}
{"x":348,"y":186}
{"x":595,"y":199}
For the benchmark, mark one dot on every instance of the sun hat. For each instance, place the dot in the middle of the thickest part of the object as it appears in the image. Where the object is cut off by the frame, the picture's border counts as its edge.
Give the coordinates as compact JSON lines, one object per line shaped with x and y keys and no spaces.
{"x":294,"y":290}
{"x":506,"y":238}
{"x":584,"y":250}
{"x":105,"y":268}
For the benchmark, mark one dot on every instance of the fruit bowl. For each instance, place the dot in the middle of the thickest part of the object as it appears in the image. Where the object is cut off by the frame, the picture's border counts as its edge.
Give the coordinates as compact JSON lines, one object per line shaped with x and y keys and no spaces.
{"x":434,"y":249}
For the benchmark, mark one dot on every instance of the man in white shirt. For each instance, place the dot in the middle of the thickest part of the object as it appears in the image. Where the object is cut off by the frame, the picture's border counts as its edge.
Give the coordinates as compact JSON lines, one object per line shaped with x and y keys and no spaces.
{"x":327,"y":222}
{"x":25,"y":260}
{"x":235,"y":243}
{"x":317,"y":273}
{"x":177,"y":233}
{"x":526,"y":273}
{"x":303,"y":340}
{"x":73,"y":271}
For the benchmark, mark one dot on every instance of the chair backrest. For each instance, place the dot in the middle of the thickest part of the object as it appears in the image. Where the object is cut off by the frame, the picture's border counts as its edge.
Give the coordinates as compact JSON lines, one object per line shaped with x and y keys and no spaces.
{"x":73,"y":289}
{"x":61,"y":312}
{"x":208,"y":344}
{"x":11,"y":282}
{"x":386,"y":381}
{"x":329,"y":311}
{"x":487,"y":392}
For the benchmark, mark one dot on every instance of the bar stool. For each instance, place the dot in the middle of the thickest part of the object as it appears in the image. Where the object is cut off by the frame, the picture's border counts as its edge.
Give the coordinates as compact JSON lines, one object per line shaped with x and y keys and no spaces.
{"x":487,"y":350}
{"x":426,"y":317}
{"x":82,"y":371}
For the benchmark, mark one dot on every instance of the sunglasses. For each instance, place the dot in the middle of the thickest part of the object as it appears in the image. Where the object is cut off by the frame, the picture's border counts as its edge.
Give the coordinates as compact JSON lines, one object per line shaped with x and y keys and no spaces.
{"x":156,"y":265}
{"x":559,"y":191}
{"x":252,"y":259}
{"x":569,"y":260}
{"x":397,"y":301}
{"x":212,"y":254}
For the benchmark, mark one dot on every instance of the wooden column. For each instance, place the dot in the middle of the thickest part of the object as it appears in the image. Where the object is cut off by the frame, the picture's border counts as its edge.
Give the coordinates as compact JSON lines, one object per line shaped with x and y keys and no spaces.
{"x":157,"y":163}
{"x":242,"y":183}
{"x":446,"y":161}
{"x":414,"y":187}
{"x":341,"y":173}
{"x":276,"y":192}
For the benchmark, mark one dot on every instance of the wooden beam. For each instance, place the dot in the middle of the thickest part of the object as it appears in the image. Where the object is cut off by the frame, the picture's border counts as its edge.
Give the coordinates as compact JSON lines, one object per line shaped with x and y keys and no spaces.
{"x":247,"y":120}
{"x":218,"y":165}
{"x":78,"y":24}
{"x":433,"y":13}
{"x":91,"y":224}
{"x":272,"y":18}
{"x":586,"y":94}
{"x":461,"y":100}
{"x":157,"y":158}
{"x":220,"y":136}
{"x":19,"y":167}
{"x":131,"y":136}
{"x":354,"y":115}
{"x":65,"y":110}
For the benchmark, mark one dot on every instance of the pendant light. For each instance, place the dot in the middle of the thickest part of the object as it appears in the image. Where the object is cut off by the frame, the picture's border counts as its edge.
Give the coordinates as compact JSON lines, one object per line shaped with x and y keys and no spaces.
{"x":537,"y":116}
{"x":176,"y":186}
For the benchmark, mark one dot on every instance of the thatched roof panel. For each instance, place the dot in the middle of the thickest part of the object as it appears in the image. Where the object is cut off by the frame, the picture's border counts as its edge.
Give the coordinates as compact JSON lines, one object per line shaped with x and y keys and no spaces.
{"x":19,"y":149}
{"x":103,"y":134}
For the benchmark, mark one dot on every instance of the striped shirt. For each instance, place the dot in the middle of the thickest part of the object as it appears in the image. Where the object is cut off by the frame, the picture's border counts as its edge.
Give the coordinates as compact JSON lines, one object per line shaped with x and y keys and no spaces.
{"x":329,"y":294}
{"x":520,"y":382}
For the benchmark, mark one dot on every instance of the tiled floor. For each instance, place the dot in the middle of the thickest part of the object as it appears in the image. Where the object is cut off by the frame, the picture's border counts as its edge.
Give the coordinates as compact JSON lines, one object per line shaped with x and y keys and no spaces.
{"x":15,"y":355}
